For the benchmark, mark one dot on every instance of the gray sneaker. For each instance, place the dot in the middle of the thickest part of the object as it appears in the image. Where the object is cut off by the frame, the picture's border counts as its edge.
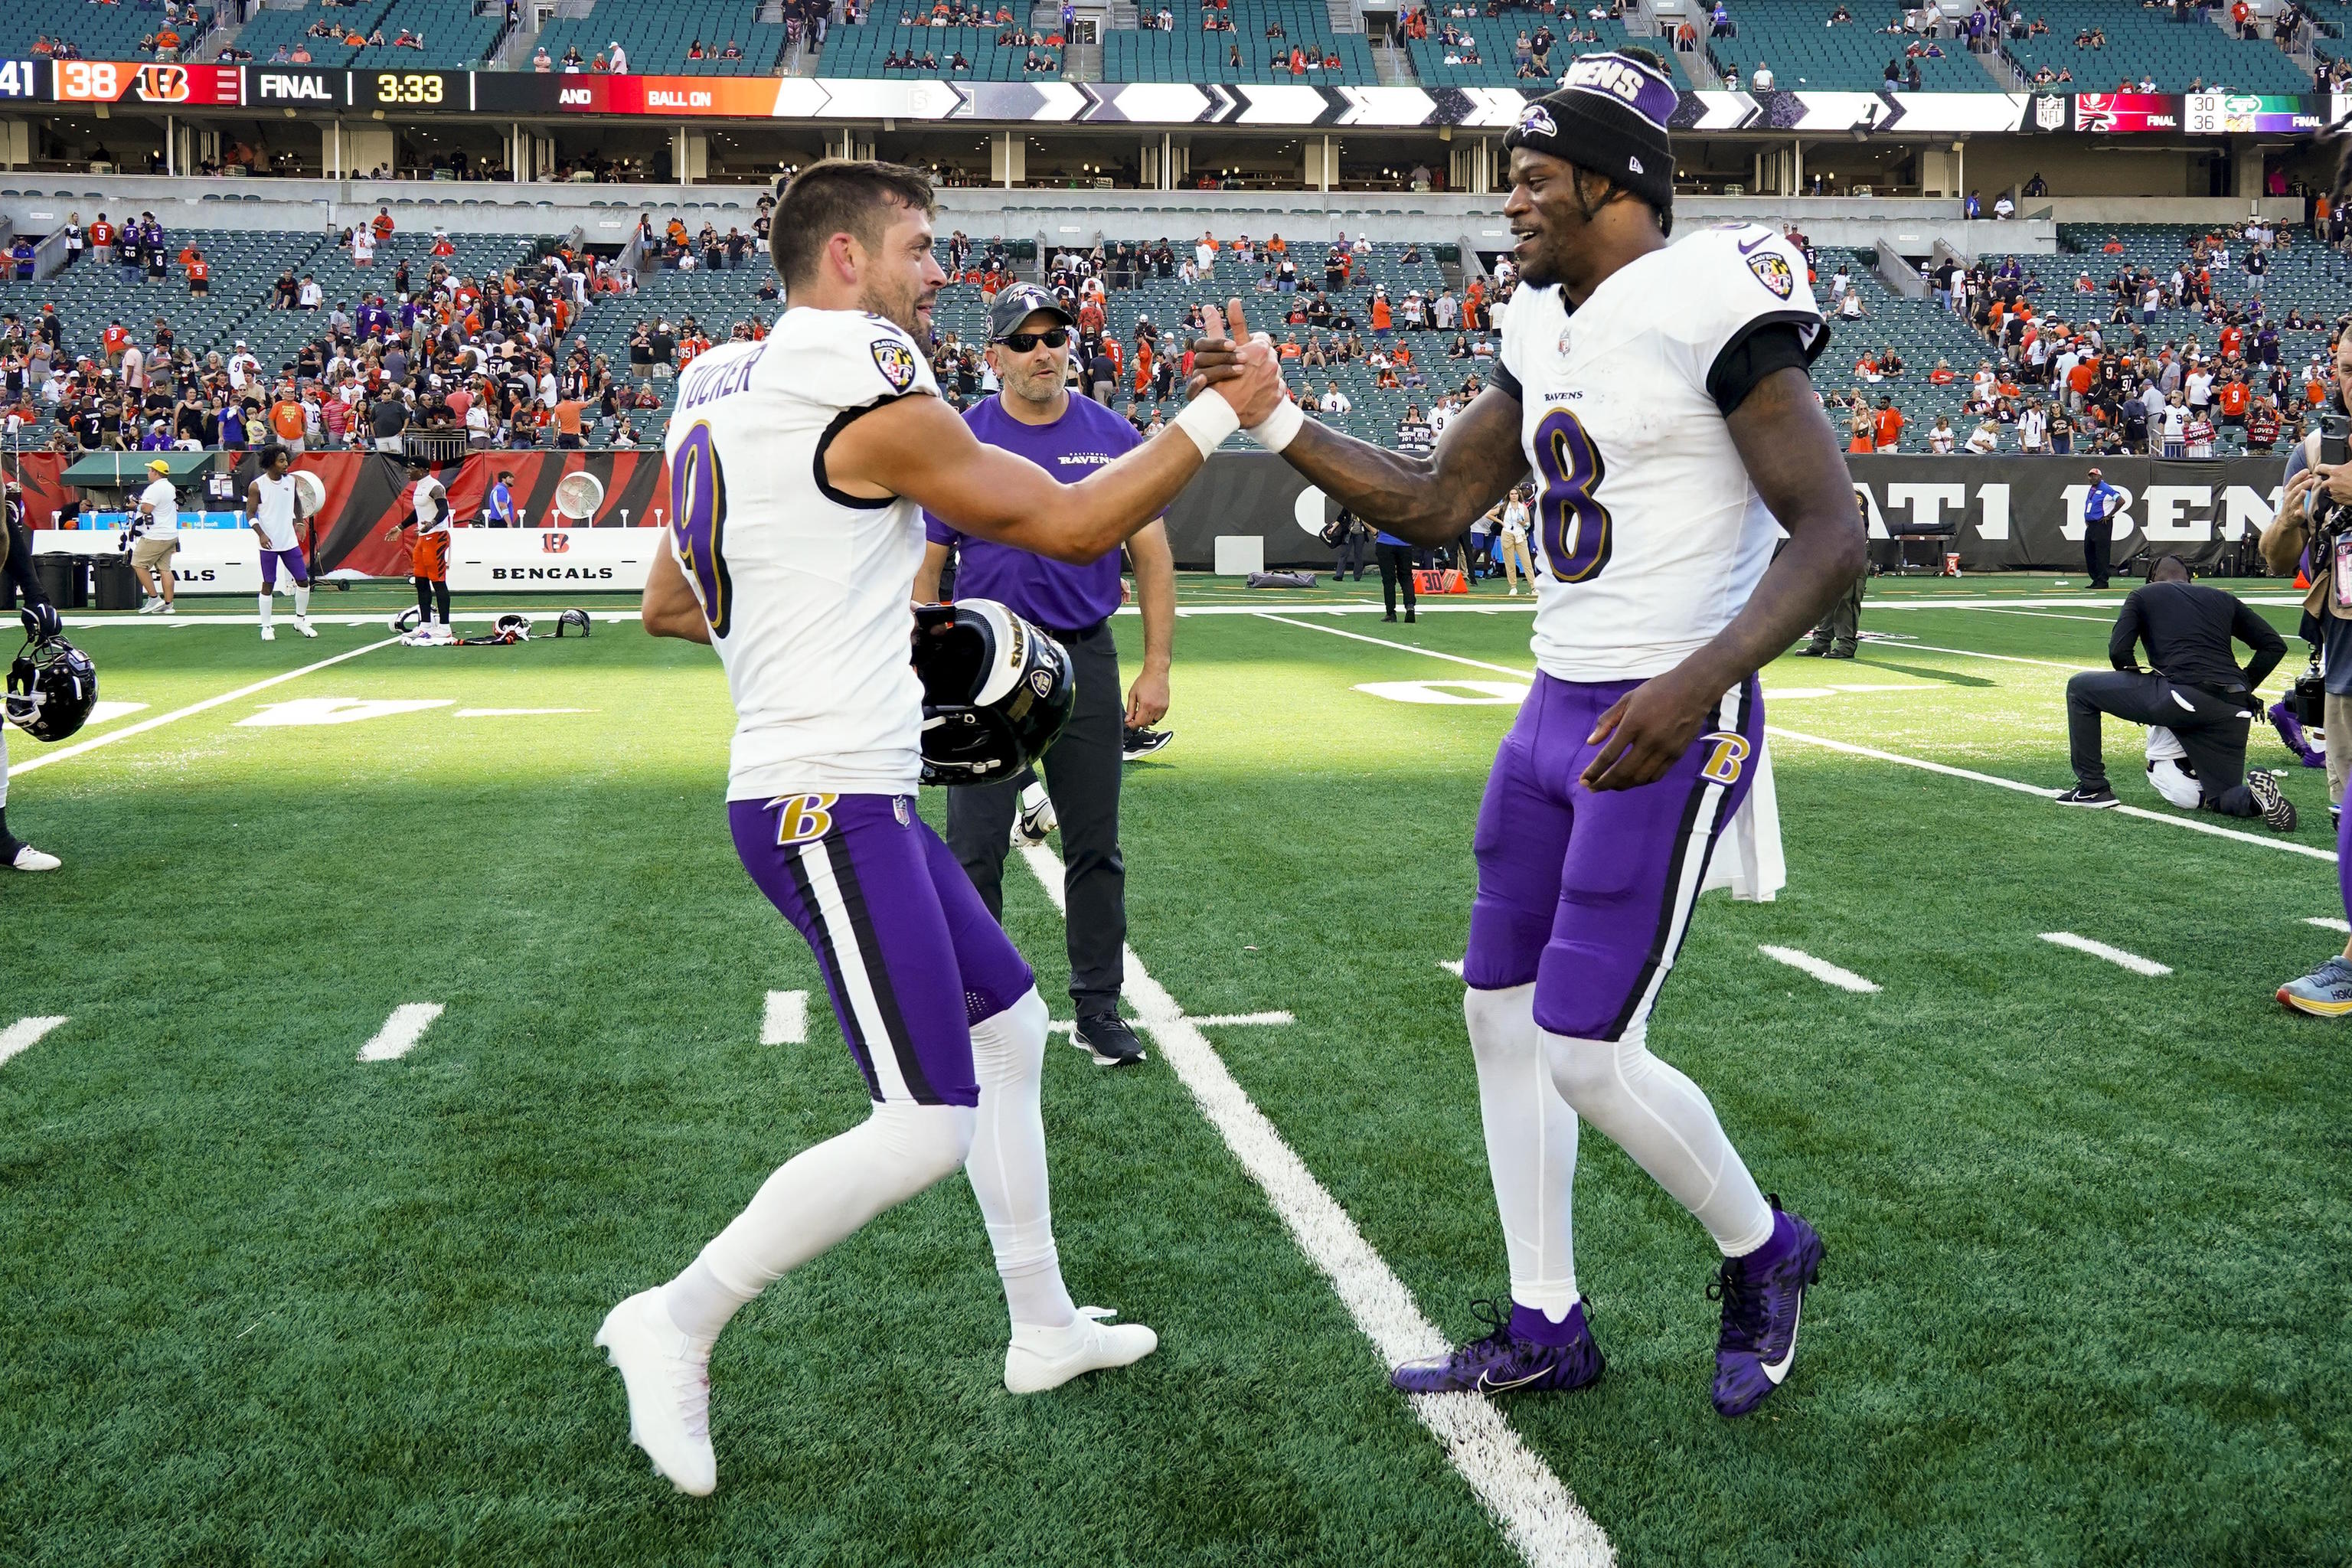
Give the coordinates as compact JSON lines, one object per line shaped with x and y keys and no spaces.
{"x":2325,"y":993}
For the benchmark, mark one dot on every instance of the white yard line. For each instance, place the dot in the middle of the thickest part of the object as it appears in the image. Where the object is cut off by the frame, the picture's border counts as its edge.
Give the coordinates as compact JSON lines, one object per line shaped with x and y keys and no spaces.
{"x":2210,"y":829}
{"x":46,"y":758}
{"x":1821,"y":968}
{"x":2116,"y":955}
{"x":513,"y":712}
{"x":1452,"y":966}
{"x":401,"y":1031}
{"x":2046,"y":614}
{"x":2327,"y":923}
{"x":1536,"y":1512}
{"x":1214,"y":1021}
{"x":23,"y":1033}
{"x":1996,"y":658}
{"x":786,"y":1023}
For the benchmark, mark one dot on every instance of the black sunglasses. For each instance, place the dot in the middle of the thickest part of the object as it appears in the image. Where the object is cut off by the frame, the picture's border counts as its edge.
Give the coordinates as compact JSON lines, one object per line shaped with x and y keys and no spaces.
{"x":1022,"y":343}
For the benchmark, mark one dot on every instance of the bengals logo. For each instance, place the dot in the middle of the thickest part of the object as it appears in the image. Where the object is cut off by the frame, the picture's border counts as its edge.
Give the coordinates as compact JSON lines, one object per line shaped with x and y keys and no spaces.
{"x":554,"y":544}
{"x":162,"y":84}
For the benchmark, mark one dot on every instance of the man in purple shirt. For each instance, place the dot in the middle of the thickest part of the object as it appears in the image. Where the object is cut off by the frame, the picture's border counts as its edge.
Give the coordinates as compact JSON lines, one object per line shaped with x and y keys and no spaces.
{"x":1069,"y":437}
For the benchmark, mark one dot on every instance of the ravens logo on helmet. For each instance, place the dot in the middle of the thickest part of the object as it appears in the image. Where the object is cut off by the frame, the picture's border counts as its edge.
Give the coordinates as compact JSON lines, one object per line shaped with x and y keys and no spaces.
{"x":996,"y":691}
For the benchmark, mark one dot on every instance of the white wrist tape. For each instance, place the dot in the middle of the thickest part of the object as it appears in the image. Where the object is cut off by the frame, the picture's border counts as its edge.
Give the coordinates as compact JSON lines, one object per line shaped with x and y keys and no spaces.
{"x":1279,"y":427}
{"x":1208,"y":419}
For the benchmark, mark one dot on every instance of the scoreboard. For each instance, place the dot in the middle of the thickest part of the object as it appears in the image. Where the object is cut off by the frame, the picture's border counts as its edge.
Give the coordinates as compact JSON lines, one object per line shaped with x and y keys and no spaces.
{"x":166,"y":86}
{"x":423,"y":90}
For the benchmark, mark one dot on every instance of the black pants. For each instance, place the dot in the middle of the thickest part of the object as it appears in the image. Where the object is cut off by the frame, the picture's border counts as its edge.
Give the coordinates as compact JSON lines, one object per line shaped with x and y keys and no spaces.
{"x":1351,"y":558}
{"x":1396,"y":567}
{"x":429,"y":595}
{"x":2211,"y":730}
{"x":1081,"y":774}
{"x":2098,"y":544}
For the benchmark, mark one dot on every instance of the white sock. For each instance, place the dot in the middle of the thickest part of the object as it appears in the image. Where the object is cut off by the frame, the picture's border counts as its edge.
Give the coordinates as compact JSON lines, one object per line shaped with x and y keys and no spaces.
{"x":1008,"y":1163}
{"x":3,"y":767}
{"x":267,"y":604}
{"x":1530,"y":1147}
{"x":302,"y":601}
{"x":1664,"y":1122}
{"x":817,"y":1197}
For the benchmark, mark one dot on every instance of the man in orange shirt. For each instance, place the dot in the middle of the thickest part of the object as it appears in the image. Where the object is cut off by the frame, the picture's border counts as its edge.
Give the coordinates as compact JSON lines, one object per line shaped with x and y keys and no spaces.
{"x":567,"y":424}
{"x":1890,"y":425}
{"x":287,"y":419}
{"x":200,"y":275}
{"x":1383,"y":322}
{"x":2234,"y":396}
{"x":116,"y":338}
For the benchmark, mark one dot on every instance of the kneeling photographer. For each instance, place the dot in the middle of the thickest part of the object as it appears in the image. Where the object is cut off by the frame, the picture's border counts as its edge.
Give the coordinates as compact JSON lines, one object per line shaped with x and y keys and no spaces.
{"x":2193,"y":687}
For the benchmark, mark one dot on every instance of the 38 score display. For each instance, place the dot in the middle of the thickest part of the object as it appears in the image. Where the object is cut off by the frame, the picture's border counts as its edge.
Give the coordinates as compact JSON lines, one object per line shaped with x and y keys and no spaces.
{"x":411,"y":90}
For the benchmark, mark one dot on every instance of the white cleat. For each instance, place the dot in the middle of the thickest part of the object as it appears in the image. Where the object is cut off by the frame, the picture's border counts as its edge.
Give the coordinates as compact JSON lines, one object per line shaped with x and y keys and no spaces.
{"x":302,"y":624}
{"x":669,"y":1379}
{"x":149,"y":606}
{"x":1040,"y":1359}
{"x":31,"y":860}
{"x":1037,"y":819}
{"x":169,"y":608}
{"x":269,"y":634}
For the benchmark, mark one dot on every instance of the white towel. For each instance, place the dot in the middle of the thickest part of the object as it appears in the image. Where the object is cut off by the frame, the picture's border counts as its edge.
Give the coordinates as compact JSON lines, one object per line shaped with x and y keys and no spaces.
{"x":1747,"y":858}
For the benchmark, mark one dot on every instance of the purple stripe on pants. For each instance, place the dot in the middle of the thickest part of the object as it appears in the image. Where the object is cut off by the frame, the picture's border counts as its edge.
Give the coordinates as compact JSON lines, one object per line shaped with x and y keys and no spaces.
{"x":1589,"y":894}
{"x":911,"y":958}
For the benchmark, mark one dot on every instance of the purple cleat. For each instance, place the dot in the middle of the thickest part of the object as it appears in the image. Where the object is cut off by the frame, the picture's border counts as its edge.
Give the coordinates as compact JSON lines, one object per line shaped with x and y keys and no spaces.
{"x":1763,"y":1294}
{"x":1511,"y":1356}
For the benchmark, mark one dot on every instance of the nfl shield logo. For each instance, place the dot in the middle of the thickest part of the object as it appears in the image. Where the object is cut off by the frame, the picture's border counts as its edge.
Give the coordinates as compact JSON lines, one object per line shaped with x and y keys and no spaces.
{"x":2049,"y":113}
{"x":898,"y":809}
{"x":1563,"y":341}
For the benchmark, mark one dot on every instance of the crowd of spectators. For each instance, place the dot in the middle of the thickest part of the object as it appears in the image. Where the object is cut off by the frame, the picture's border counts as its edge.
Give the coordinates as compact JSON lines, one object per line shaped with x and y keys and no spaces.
{"x":493,"y":356}
{"x":2081,"y":367}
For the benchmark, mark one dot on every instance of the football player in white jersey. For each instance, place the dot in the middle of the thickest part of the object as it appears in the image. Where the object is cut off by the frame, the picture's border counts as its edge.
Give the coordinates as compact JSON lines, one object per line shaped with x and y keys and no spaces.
{"x":1659,"y":394}
{"x":273,"y":501}
{"x":800,"y":467}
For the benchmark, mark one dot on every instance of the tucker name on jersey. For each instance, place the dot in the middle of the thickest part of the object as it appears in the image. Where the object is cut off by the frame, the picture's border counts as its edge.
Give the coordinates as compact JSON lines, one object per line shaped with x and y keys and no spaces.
{"x":804,"y":585}
{"x":1649,"y":537}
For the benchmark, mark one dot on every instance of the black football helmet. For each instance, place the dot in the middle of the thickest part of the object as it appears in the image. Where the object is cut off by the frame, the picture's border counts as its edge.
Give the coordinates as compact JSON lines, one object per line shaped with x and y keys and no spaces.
{"x":572,"y":623}
{"x":996,"y":691}
{"x":52,"y":687}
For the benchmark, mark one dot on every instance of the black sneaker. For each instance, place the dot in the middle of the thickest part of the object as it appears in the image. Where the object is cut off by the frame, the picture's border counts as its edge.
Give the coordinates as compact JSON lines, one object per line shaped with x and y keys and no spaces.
{"x":2100,"y":799}
{"x":1135,"y":742}
{"x":1814,"y":650}
{"x":1839,"y":653}
{"x":2278,"y":812}
{"x":1107,"y":1038}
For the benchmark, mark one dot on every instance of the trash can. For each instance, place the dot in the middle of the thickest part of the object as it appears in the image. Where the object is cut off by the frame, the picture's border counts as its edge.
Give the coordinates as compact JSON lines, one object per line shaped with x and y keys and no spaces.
{"x":117,"y":586}
{"x":65,"y":579}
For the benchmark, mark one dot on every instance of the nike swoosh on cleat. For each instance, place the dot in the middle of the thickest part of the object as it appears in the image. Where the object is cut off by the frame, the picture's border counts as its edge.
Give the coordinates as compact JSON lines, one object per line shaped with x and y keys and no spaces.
{"x":1778,"y":1370}
{"x":1486,"y":1385}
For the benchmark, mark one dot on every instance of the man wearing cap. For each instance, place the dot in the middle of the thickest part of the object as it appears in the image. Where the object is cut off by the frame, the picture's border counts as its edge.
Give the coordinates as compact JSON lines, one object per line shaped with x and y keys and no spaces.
{"x":1673,"y":449}
{"x":429,"y":514}
{"x":2100,"y":505}
{"x":1033,"y":413}
{"x":155,"y":539}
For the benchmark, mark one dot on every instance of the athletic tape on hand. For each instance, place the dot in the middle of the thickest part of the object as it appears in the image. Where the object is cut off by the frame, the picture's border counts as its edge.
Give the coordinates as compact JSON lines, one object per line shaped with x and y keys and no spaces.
{"x":1279,"y":428}
{"x":1208,"y":419}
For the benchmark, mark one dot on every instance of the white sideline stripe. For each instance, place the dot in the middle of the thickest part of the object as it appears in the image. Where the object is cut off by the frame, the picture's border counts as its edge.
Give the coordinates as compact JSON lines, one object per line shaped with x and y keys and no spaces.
{"x":401,"y":1031}
{"x":2116,"y":955}
{"x":2327,"y":922}
{"x":1996,"y":658}
{"x":318,"y":618}
{"x":2284,"y":845}
{"x":787,"y":1020}
{"x":513,"y":712}
{"x":1537,"y":1513}
{"x":46,"y":758}
{"x":1214,"y":1021}
{"x":2046,"y":614}
{"x":1821,"y":968}
{"x":1404,"y":647}
{"x":23,"y":1033}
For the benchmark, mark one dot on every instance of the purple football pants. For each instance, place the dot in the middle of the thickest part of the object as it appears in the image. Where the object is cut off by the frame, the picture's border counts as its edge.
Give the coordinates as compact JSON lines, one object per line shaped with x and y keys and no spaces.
{"x":911,"y":958}
{"x":1589,"y":894}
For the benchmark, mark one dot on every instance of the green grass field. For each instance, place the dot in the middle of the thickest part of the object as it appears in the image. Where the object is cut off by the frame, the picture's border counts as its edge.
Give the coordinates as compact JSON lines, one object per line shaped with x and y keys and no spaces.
{"x":263,"y":1303}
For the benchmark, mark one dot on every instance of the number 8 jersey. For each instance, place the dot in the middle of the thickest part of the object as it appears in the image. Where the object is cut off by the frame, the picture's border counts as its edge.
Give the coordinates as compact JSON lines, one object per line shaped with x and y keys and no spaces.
{"x":1648,"y":535}
{"x":806,"y":587}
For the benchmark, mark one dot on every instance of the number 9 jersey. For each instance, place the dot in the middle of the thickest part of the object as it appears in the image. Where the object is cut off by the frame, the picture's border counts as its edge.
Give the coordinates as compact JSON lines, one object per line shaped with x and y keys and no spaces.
{"x":806,"y":587}
{"x":1648,"y":535}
